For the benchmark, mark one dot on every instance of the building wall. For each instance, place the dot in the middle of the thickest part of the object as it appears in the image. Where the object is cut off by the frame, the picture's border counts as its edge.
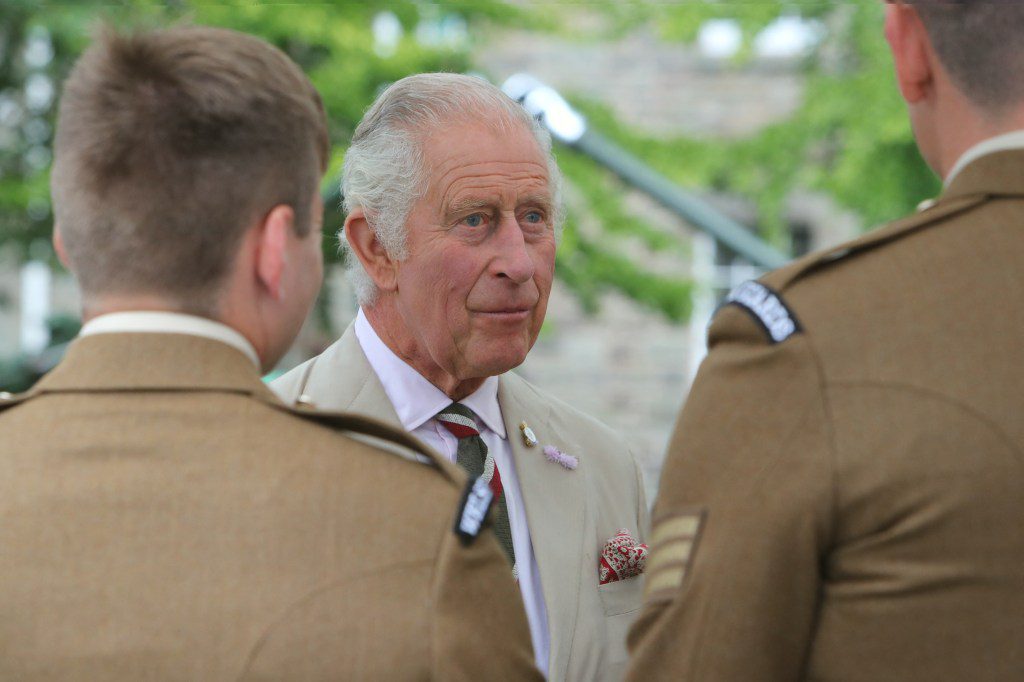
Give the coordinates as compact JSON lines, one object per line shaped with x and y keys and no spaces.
{"x":660,"y":87}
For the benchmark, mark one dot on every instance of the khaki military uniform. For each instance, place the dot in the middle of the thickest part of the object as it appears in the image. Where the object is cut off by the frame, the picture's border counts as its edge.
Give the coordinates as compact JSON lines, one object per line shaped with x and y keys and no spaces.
{"x":164,"y":516}
{"x":844,"y":495}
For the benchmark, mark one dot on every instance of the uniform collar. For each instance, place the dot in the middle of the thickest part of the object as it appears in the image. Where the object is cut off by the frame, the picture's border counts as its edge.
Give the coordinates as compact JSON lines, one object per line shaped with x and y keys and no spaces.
{"x":152,"y":362}
{"x":416,"y":400}
{"x":159,"y":322}
{"x":994,"y":174}
{"x":1006,"y":141}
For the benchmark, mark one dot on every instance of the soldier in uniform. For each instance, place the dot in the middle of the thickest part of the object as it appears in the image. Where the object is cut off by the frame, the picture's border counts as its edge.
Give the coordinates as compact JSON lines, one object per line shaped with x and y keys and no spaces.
{"x":165,"y":516}
{"x":844,"y":495}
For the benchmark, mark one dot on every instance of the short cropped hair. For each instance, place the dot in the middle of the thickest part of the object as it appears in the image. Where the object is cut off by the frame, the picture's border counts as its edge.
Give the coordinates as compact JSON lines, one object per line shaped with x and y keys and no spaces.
{"x":384,"y":172}
{"x":169,"y":144}
{"x":981,"y":44}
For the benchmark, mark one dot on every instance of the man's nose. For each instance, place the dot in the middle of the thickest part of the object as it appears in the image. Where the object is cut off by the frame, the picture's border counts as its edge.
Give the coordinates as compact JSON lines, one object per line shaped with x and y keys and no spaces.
{"x":513,"y":259}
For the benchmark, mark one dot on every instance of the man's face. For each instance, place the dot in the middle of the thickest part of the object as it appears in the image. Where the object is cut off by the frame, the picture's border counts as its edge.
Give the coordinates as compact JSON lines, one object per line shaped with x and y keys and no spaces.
{"x":472,"y":294}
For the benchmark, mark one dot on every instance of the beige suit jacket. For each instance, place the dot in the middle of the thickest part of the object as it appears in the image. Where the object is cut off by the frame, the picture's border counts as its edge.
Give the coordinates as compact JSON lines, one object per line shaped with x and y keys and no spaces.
{"x":165,"y":517}
{"x":847,"y":504}
{"x":571,"y":513}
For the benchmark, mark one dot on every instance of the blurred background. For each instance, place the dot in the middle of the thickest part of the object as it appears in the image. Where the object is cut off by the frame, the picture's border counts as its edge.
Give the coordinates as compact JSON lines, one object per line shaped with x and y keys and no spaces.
{"x":702,"y":143}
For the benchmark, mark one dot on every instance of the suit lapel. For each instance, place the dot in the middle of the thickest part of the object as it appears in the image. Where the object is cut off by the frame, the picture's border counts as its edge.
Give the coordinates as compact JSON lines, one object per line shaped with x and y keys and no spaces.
{"x":555,"y":508}
{"x":342,"y":379}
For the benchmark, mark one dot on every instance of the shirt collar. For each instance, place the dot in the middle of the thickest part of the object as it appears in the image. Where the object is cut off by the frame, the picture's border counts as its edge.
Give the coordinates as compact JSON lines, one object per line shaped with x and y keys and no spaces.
{"x":1013,"y":140}
{"x":415,"y":399}
{"x":160,"y":322}
{"x":484,"y":403}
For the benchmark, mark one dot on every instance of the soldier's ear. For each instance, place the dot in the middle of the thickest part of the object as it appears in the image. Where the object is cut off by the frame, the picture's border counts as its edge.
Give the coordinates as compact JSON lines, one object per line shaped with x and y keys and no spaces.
{"x":911,"y":51}
{"x":58,"y":247}
{"x":272,"y":248}
{"x":363,"y":244}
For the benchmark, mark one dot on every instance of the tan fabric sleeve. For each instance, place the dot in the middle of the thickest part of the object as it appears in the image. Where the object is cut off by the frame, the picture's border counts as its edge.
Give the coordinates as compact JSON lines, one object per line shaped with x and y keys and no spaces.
{"x":743,"y":516}
{"x":479,"y":623}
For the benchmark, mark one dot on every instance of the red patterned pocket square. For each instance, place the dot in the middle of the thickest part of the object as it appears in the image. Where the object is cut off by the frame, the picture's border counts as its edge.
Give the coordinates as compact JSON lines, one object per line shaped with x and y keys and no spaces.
{"x":623,"y":557}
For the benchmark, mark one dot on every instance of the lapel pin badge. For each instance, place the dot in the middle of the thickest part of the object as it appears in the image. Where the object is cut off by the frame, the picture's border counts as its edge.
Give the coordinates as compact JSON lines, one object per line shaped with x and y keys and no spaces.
{"x":558,"y":457}
{"x":529,"y":437}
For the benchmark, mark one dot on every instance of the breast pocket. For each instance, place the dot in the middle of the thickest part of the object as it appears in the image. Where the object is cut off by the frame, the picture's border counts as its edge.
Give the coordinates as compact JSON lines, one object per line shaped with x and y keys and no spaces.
{"x":621,"y":601}
{"x":622,"y":596}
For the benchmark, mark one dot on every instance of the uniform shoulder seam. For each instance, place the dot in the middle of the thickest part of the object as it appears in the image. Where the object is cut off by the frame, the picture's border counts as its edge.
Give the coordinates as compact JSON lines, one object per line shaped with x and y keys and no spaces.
{"x":367,"y":426}
{"x":765,"y":299}
{"x":831,"y":438}
{"x":781,"y":279}
{"x":8,"y":400}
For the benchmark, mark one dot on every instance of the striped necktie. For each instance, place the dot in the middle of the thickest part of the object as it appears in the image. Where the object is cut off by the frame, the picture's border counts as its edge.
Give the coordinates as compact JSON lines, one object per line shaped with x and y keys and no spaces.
{"x":472,"y":455}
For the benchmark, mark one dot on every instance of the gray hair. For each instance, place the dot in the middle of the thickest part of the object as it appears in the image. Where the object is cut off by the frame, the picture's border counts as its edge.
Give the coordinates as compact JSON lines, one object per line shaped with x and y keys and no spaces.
{"x":384,"y":171}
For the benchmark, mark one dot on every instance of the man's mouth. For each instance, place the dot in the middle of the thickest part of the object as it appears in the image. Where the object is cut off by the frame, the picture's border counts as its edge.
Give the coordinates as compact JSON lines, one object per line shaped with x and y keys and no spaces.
{"x":511,"y":313}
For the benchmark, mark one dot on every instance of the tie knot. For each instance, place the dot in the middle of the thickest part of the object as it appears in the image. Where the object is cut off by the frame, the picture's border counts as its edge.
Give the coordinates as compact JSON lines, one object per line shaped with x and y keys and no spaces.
{"x":459,"y":420}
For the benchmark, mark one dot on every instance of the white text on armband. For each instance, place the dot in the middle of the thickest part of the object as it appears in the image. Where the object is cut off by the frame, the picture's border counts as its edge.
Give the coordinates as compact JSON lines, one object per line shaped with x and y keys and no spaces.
{"x":767,"y":308}
{"x":476,"y":501}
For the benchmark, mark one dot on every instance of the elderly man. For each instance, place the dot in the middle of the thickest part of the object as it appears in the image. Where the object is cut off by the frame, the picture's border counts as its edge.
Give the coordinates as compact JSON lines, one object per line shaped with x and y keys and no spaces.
{"x":844,"y":498}
{"x":165,"y":517}
{"x":453,"y":207}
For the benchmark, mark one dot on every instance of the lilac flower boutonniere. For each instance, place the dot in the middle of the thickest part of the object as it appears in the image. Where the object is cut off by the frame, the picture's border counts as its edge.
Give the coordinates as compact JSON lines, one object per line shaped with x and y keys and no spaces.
{"x":558,"y":457}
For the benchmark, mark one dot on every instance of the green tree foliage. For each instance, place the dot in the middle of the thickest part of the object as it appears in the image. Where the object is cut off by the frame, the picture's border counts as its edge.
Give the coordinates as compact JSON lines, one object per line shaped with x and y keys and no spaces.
{"x":591,"y":263}
{"x":32,"y":58}
{"x":333,"y":42}
{"x":849,"y":138}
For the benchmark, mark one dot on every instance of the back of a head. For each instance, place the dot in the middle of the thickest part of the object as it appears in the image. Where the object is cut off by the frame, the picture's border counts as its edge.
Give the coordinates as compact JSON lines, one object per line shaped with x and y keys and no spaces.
{"x":981,"y":45}
{"x":169,"y":144}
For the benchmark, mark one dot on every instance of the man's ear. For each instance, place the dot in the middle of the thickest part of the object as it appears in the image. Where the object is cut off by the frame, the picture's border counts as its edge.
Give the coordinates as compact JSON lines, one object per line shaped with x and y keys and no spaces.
{"x":58,"y":246}
{"x":911,"y":53}
{"x":364,"y":245}
{"x":272,"y":244}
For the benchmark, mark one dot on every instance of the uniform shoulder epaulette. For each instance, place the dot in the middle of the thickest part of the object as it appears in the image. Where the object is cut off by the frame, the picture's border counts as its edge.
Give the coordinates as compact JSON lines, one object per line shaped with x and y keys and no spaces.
{"x":367,"y":426}
{"x":766,"y":307}
{"x":763,"y":299}
{"x":475,"y":503}
{"x":933,"y":212}
{"x":11,"y":399}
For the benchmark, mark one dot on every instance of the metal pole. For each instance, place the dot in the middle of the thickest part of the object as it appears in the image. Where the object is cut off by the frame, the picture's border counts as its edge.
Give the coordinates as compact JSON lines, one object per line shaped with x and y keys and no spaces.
{"x":691,"y":209}
{"x":569,"y":126}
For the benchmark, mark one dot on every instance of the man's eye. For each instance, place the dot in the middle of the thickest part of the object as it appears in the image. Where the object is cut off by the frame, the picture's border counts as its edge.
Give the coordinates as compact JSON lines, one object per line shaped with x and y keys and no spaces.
{"x":475,"y":220}
{"x":534,"y":217}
